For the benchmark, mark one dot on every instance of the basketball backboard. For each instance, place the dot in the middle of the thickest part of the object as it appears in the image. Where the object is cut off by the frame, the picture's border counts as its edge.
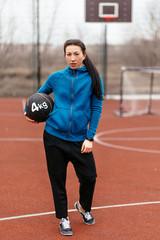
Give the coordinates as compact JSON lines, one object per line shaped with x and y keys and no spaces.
{"x":108,"y":10}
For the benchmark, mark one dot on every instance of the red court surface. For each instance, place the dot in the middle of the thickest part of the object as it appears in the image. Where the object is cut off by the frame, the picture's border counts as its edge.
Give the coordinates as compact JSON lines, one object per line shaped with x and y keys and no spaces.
{"x":126,"y":203}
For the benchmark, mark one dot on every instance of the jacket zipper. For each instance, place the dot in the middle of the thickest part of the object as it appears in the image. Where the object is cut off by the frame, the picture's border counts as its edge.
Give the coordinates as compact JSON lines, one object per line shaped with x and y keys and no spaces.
{"x":71,"y":106}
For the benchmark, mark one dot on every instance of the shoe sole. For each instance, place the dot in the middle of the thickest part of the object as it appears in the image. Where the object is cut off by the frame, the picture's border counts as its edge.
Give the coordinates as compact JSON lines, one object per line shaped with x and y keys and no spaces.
{"x":89,"y":224}
{"x":69,"y":234}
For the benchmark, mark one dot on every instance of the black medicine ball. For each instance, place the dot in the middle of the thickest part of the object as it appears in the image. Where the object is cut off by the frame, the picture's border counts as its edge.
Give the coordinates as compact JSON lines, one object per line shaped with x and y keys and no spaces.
{"x":38,"y":106}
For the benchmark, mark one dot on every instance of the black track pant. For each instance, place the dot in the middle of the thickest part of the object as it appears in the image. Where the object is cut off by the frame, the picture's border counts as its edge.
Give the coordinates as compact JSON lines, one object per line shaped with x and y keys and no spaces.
{"x":58,"y":153}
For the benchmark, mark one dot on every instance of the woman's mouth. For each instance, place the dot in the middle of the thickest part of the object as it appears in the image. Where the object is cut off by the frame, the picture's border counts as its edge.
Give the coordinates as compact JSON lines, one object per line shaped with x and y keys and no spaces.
{"x":73,"y":64}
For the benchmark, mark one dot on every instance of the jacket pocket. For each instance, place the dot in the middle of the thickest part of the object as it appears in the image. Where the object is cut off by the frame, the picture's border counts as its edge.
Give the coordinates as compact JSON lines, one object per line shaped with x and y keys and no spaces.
{"x":59,"y":119}
{"x":80,"y":120}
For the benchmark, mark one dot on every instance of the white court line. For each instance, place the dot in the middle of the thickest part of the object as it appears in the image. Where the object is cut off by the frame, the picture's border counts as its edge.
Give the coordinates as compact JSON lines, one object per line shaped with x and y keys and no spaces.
{"x":99,"y":138}
{"x":23,"y":103}
{"x":131,"y":138}
{"x":74,"y":210}
{"x":20,"y":139}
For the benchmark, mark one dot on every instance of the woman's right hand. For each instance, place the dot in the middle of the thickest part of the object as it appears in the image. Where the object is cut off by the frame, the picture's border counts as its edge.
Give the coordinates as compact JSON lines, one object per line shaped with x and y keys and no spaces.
{"x":30,"y":120}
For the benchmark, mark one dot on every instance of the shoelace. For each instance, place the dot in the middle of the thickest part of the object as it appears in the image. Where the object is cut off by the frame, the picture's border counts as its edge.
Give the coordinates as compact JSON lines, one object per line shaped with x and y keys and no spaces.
{"x":66,"y":223}
{"x":87,"y":215}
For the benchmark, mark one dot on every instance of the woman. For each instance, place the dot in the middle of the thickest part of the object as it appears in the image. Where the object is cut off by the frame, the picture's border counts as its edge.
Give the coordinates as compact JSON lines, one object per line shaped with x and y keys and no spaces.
{"x":70,"y":130}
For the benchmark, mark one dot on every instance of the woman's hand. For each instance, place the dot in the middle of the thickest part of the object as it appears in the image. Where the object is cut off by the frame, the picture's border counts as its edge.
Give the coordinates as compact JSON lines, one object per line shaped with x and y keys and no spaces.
{"x":30,"y":120}
{"x":87,"y":146}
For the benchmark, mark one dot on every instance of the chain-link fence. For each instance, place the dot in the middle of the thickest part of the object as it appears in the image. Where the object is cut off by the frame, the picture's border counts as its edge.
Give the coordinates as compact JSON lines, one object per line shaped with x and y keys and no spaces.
{"x":31,"y":36}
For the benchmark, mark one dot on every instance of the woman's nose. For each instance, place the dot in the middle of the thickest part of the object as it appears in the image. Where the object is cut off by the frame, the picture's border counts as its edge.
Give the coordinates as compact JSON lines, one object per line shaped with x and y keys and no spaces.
{"x":72,"y":58}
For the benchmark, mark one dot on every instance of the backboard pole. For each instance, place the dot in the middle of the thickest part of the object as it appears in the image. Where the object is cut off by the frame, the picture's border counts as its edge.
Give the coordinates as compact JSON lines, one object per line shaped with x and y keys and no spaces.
{"x":105,"y":55}
{"x":38,"y":49}
{"x":150,"y":93}
{"x":34,"y":46}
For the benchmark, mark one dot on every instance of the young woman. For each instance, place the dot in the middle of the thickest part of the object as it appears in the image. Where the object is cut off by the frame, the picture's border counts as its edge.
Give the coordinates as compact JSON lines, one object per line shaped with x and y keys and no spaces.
{"x":70,"y":129}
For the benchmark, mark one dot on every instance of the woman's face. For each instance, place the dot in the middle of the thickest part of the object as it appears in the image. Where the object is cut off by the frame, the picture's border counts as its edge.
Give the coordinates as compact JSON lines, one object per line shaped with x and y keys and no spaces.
{"x":74,"y":56}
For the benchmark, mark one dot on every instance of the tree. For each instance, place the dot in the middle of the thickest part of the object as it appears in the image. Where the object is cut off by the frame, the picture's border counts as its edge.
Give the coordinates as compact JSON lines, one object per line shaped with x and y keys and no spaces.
{"x":145,"y":45}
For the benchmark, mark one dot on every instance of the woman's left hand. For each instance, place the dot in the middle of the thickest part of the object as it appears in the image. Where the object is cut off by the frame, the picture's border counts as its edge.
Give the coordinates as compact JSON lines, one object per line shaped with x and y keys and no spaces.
{"x":87,"y":146}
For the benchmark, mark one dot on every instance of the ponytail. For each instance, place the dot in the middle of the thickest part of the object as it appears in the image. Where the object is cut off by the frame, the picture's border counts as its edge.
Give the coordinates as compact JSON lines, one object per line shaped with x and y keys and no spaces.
{"x":96,"y":83}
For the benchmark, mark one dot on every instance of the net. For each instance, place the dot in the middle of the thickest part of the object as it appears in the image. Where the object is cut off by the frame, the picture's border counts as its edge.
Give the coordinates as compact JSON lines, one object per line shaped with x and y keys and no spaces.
{"x":139,"y":91}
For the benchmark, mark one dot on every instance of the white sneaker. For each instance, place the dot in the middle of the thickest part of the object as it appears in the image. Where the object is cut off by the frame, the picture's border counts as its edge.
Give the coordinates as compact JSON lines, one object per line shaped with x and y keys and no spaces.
{"x":65,"y":227}
{"x":87,"y":216}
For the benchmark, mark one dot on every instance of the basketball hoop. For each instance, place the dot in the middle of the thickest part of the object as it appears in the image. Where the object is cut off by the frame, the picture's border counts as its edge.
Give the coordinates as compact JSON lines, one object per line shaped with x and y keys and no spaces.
{"x":109,"y":19}
{"x":108,"y":11}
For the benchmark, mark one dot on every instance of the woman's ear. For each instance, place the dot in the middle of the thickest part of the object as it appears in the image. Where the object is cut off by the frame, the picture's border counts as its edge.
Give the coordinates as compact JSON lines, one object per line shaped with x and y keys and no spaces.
{"x":84,"y":56}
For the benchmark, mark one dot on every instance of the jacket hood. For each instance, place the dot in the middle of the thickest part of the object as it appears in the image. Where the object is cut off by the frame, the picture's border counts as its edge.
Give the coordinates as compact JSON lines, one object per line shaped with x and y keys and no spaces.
{"x":70,"y":70}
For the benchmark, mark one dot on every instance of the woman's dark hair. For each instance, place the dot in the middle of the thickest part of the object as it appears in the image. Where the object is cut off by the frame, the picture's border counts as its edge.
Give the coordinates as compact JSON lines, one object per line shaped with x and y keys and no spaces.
{"x":96,"y":84}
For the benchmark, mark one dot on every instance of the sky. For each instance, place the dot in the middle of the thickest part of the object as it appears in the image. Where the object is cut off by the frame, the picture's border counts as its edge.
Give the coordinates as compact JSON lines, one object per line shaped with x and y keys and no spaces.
{"x":63,"y":19}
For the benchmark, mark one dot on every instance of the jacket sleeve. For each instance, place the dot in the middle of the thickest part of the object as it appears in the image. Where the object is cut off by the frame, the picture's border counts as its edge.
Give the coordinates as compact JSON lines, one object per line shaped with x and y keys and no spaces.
{"x":48,"y":85}
{"x":96,"y":110}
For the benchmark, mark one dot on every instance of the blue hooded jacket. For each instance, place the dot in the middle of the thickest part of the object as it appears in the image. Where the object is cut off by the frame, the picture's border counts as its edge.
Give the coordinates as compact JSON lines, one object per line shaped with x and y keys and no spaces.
{"x":76,"y":110}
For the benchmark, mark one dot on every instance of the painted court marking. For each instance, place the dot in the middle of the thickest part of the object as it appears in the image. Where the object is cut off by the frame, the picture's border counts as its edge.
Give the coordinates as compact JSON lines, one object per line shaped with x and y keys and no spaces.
{"x":74,"y":210}
{"x":23,"y":103}
{"x":101,"y":138}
